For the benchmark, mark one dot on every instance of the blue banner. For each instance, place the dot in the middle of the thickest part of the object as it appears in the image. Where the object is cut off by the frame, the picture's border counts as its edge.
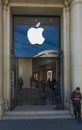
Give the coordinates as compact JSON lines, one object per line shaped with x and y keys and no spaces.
{"x":30,"y":41}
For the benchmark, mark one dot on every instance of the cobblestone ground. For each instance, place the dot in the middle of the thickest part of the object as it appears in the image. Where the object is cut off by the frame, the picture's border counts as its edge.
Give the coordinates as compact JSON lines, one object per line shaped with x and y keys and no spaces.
{"x":49,"y":124}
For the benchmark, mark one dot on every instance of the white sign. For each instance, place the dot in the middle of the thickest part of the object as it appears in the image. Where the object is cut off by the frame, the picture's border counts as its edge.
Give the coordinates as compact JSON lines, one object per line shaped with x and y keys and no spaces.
{"x":35,"y":35}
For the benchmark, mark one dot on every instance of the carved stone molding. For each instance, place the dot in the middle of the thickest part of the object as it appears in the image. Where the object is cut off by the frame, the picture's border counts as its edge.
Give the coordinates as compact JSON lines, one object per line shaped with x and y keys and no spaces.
{"x":5,"y":4}
{"x":76,"y":2}
{"x":67,"y":3}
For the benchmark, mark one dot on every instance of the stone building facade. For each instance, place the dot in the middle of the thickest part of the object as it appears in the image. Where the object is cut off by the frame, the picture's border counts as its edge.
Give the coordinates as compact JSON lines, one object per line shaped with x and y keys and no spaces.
{"x":70,"y":12}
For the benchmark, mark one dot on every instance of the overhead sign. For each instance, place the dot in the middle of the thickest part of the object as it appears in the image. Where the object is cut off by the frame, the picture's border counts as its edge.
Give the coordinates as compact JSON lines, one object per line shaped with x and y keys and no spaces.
{"x":33,"y":40}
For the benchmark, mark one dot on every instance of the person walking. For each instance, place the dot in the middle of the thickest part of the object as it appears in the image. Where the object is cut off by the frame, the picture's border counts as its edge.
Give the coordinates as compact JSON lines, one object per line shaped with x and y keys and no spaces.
{"x":20,"y":82}
{"x":76,"y":102}
{"x":52,"y":91}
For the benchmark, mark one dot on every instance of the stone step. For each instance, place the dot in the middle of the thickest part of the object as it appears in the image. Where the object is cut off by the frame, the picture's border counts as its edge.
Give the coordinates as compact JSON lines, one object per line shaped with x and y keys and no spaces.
{"x":56,"y":114}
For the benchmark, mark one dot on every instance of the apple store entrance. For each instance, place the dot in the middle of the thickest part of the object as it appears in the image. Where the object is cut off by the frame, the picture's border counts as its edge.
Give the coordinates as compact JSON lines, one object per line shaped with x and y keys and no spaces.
{"x":36,"y":59}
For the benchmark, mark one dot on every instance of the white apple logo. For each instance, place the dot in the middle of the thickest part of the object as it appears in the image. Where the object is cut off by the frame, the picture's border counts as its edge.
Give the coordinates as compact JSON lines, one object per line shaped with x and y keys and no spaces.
{"x":35,"y":36}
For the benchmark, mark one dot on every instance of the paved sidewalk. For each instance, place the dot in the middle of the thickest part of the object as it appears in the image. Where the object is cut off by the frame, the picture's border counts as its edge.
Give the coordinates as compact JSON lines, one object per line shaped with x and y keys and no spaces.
{"x":48,"y":124}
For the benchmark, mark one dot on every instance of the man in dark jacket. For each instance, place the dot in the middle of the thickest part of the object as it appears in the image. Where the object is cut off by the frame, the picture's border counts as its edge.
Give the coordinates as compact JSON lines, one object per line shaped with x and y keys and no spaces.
{"x":76,"y":101}
{"x":20,"y":82}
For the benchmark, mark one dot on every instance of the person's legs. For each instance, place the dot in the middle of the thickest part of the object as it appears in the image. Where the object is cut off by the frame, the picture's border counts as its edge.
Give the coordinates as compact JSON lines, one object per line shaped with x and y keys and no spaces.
{"x":75,"y":109}
{"x":79,"y":111}
{"x":58,"y":105}
{"x":20,"y":87}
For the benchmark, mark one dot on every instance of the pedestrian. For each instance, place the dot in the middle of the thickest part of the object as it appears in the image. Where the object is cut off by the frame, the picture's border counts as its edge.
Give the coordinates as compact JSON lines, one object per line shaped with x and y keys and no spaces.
{"x":20,"y":82}
{"x":32,"y":81}
{"x":57,"y":93}
{"x":76,"y":102}
{"x":52,"y":91}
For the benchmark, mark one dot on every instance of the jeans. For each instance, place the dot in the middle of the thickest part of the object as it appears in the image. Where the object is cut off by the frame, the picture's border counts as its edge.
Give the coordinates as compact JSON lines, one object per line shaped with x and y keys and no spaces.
{"x":77,"y":109}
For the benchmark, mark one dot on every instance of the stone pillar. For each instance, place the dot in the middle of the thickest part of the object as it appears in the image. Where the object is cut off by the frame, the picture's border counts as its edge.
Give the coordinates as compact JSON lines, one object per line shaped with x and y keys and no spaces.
{"x":76,"y":43}
{"x":6,"y":54}
{"x":66,"y":46}
{"x":1,"y":60}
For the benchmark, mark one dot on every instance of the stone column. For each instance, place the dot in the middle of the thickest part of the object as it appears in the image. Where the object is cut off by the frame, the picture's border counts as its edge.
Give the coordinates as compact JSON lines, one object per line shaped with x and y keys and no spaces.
{"x":76,"y":44}
{"x":6,"y":54}
{"x":1,"y":60}
{"x":66,"y":46}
